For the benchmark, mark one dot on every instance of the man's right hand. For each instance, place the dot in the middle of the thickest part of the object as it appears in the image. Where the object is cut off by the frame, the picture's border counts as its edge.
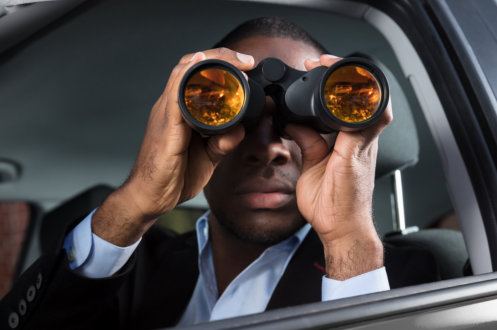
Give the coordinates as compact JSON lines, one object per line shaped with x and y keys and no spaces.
{"x":173,"y":165}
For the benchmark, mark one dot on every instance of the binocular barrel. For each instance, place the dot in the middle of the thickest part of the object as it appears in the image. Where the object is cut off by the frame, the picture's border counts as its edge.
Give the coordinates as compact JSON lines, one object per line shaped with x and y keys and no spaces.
{"x":351,"y":94}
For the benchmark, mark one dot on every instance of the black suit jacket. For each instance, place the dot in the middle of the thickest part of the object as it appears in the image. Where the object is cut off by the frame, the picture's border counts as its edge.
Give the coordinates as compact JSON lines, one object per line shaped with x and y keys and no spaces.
{"x":154,"y":287}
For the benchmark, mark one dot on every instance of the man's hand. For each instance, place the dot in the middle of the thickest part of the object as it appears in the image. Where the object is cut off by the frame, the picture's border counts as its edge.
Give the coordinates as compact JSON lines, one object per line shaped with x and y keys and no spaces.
{"x":335,"y":192}
{"x":173,"y":164}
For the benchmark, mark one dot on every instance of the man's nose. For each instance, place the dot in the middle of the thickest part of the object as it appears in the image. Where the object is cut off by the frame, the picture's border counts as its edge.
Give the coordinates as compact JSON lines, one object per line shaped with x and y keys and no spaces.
{"x":264,"y":145}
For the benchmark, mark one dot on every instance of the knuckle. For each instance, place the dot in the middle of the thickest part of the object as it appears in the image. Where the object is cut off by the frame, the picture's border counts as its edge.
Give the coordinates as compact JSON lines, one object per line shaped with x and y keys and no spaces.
{"x":186,"y":58}
{"x":388,"y":117}
{"x":224,"y":52}
{"x":176,"y":70}
{"x":214,"y":146}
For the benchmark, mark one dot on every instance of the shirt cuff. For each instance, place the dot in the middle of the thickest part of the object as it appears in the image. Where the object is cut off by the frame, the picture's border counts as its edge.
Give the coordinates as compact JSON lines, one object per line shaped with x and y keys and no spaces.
{"x":370,"y":282}
{"x":92,"y":256}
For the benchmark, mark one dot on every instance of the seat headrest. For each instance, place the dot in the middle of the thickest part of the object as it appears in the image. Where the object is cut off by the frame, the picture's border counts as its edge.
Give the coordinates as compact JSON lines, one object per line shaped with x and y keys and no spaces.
{"x":77,"y":208}
{"x":399,"y":143}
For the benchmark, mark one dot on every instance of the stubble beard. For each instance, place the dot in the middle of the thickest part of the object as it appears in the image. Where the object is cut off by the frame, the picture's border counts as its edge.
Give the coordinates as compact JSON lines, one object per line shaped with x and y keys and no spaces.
{"x":254,"y":234}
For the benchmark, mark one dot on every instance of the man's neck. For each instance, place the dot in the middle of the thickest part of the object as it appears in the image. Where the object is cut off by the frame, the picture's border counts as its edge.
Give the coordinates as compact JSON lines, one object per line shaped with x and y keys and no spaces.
{"x":230,"y":254}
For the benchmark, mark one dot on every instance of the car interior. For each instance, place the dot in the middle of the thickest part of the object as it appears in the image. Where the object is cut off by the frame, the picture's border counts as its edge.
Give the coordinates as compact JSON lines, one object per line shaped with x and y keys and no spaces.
{"x":78,"y":79}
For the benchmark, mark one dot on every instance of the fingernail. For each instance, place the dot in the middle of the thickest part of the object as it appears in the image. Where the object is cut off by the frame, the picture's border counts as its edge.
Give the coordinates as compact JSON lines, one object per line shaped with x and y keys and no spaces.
{"x":314,"y":59}
{"x":244,"y":58}
{"x":331,"y":56}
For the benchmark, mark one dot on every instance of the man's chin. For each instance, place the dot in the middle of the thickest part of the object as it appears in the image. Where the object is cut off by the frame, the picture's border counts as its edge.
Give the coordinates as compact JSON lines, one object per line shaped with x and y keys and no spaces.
{"x":263,"y":226}
{"x":262,"y":238}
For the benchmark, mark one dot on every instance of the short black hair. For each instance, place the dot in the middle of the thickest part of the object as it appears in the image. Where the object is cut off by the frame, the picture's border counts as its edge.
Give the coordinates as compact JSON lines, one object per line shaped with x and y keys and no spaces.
{"x":273,"y":26}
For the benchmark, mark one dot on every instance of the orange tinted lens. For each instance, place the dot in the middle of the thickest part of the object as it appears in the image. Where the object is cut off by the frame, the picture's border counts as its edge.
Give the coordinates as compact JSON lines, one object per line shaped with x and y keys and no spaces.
{"x":214,"y":96}
{"x":352,"y":94}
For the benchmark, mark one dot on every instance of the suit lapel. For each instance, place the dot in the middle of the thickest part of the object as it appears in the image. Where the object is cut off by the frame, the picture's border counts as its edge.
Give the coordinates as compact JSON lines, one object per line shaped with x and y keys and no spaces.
{"x":301,"y":282}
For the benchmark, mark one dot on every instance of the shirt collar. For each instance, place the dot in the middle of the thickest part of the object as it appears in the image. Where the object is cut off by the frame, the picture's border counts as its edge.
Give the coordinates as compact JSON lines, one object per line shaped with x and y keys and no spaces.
{"x":202,"y":227}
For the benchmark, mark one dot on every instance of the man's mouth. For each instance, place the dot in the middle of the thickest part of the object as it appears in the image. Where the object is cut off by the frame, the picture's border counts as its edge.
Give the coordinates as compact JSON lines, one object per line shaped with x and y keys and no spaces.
{"x":265,"y":194}
{"x":272,"y":200}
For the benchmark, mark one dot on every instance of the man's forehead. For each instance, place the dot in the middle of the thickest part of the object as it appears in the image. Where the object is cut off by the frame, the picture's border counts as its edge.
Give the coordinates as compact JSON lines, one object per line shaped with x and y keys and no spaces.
{"x":292,"y":52}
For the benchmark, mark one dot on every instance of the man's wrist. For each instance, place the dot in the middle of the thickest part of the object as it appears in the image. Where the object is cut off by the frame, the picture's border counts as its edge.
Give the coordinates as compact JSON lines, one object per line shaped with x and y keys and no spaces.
{"x":119,"y":221}
{"x":353,"y":255}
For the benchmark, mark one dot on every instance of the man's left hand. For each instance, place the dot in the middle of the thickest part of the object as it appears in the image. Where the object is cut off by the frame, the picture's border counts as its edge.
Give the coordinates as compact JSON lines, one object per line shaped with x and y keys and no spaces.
{"x":335,"y":192}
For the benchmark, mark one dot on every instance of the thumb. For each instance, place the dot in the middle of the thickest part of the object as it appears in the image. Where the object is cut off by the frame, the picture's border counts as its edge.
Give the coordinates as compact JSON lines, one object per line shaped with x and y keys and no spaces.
{"x":313,"y":146}
{"x":219,"y":145}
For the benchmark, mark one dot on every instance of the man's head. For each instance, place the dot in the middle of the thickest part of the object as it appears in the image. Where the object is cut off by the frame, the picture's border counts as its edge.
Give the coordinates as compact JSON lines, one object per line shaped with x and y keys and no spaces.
{"x":252,"y":191}
{"x":271,"y":27}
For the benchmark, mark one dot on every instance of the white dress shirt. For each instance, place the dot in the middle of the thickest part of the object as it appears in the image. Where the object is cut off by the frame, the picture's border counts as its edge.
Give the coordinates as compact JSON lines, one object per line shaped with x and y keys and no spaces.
{"x":248,"y":293}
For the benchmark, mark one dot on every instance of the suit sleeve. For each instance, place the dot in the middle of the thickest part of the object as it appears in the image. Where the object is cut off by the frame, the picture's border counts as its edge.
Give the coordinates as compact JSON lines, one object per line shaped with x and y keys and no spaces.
{"x":50,"y":295}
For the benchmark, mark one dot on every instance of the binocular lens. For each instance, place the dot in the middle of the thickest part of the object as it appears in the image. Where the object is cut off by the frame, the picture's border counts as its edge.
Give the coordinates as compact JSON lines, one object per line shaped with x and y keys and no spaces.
{"x":352,"y":94}
{"x":214,"y":96}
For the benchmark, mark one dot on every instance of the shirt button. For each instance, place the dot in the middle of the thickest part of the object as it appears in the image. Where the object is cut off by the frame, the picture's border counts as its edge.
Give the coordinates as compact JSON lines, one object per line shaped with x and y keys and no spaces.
{"x":71,"y":255}
{"x":23,"y":307}
{"x":13,"y":320}
{"x":31,"y":294}
{"x":39,"y":278}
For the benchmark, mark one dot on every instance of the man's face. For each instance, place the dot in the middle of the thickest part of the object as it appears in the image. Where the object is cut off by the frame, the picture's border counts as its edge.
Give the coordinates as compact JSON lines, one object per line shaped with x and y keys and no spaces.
{"x":252,"y":191}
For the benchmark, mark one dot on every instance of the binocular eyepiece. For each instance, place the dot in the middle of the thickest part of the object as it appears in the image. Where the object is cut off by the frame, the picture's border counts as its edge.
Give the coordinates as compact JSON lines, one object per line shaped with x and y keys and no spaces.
{"x":351,"y":94}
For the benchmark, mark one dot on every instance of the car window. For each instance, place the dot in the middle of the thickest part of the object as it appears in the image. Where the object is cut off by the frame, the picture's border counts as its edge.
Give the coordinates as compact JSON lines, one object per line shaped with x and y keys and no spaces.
{"x":93,"y":76}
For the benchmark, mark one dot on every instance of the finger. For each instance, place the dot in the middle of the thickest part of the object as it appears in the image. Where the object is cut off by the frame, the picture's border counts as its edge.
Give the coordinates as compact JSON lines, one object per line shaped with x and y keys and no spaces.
{"x":180,"y":69}
{"x":240,"y":60}
{"x":324,"y":60}
{"x":329,"y":60}
{"x":177,"y":70}
{"x":166,"y":125}
{"x":161,"y":102}
{"x":313,"y":146}
{"x":219,"y":146}
{"x":187,"y":58}
{"x":311,"y":63}
{"x":170,"y":101}
{"x":359,"y":142}
{"x":365,"y":136}
{"x":375,"y":130}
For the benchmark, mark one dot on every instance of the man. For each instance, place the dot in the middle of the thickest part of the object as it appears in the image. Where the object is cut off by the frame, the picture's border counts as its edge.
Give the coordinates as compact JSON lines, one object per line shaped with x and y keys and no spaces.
{"x":255,"y":251}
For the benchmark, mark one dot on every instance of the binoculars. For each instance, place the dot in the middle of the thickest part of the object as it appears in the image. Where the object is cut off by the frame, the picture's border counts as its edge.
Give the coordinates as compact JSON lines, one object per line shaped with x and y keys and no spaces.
{"x":215,"y":96}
